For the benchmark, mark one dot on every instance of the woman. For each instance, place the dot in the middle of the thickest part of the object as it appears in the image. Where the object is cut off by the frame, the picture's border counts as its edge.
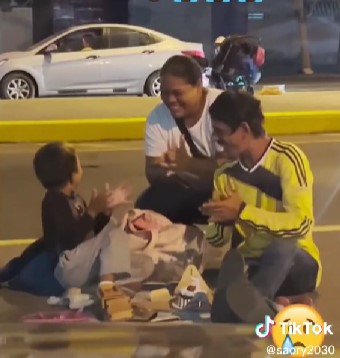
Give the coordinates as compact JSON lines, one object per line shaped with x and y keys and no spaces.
{"x":181,"y":155}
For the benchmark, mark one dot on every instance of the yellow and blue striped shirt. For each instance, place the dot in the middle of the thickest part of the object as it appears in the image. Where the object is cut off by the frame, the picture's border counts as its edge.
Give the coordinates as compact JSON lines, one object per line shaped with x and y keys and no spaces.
{"x":279,"y":202}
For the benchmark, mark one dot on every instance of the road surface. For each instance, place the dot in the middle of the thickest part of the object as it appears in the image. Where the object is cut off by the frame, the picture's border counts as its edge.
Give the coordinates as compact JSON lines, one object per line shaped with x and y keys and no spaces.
{"x":20,"y":196}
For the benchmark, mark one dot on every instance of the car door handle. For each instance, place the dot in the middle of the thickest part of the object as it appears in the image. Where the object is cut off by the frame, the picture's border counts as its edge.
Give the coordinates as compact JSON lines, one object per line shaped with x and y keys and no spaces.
{"x":148,"y":52}
{"x":92,"y":57}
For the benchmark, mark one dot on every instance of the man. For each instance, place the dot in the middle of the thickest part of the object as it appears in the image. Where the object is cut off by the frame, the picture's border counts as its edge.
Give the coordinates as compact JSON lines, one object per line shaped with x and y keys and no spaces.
{"x":263,"y":203}
{"x":87,"y":41}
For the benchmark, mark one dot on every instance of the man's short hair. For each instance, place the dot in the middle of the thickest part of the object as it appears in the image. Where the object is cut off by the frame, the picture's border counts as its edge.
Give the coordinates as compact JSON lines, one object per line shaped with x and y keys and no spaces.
{"x":89,"y":39}
{"x":234,"y":108}
{"x":54,"y":164}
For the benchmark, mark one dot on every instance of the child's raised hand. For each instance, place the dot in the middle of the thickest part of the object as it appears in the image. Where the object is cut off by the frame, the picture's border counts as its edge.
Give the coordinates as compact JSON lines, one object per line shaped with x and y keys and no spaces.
{"x":119,"y":195}
{"x":99,"y":203}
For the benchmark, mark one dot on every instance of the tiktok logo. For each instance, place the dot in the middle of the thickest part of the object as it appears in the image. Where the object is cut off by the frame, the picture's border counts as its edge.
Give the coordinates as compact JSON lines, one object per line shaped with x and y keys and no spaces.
{"x":262,"y":330}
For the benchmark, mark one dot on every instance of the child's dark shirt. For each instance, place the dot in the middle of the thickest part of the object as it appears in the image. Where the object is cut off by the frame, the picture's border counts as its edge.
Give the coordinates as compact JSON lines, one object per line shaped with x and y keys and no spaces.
{"x":66,"y":222}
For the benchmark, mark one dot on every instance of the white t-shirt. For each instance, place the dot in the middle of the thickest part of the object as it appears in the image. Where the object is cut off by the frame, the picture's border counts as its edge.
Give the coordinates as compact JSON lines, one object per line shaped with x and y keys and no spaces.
{"x":162,"y":133}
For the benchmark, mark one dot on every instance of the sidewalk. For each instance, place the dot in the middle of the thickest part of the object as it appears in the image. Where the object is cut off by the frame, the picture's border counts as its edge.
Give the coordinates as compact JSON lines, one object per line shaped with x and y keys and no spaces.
{"x":298,"y":79}
{"x":132,"y":107}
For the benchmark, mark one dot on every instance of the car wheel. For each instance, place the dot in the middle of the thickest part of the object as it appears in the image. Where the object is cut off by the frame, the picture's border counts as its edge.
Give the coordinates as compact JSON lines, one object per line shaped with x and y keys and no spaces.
{"x":153,"y":85}
{"x":17,"y":86}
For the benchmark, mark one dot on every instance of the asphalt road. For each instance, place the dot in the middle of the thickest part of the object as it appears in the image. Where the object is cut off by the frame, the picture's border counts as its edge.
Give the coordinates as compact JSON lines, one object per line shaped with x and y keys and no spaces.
{"x":20,"y":192}
{"x":20,"y":196}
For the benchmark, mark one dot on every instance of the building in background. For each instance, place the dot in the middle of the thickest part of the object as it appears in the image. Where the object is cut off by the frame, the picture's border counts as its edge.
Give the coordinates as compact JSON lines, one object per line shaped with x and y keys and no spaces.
{"x":16,"y":25}
{"x":41,"y":18}
{"x":61,"y":14}
{"x":198,"y":22}
{"x":299,"y":35}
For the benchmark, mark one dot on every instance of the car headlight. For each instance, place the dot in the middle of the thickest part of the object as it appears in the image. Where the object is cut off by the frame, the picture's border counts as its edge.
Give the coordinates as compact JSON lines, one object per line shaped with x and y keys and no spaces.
{"x":3,"y":61}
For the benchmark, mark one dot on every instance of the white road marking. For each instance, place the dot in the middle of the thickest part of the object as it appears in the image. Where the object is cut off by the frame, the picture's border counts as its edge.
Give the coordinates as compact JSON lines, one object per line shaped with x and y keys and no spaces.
{"x":21,"y":242}
{"x":327,"y":228}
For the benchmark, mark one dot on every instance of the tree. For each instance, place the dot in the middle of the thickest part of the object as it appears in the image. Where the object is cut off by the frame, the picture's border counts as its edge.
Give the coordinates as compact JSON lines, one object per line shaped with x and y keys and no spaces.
{"x":302,"y":21}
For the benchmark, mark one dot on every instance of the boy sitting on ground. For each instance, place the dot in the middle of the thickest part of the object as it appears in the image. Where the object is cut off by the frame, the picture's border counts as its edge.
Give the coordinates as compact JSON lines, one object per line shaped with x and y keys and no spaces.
{"x":74,"y":230}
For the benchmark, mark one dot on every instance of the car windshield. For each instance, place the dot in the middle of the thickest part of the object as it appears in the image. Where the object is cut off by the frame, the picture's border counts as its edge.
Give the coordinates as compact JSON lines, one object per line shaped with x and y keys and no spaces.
{"x":45,"y":40}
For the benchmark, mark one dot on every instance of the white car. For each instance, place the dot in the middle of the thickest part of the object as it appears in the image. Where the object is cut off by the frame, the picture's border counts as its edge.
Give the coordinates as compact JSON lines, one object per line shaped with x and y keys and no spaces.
{"x":91,"y":59}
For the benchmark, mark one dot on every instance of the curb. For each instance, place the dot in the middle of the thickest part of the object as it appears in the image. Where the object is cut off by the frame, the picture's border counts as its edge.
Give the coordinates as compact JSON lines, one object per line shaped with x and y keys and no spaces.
{"x":302,"y":122}
{"x":16,"y":242}
{"x":112,"y":129}
{"x":72,"y":130}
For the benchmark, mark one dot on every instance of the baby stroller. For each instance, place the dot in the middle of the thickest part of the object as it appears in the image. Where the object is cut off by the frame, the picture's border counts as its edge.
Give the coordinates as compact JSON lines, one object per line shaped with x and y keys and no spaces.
{"x":237,"y":63}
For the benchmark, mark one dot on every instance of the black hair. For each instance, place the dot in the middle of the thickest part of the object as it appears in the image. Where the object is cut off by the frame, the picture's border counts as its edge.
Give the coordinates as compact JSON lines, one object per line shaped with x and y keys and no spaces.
{"x":184,"y":67}
{"x":234,"y":108}
{"x":89,"y":39}
{"x":54,"y":164}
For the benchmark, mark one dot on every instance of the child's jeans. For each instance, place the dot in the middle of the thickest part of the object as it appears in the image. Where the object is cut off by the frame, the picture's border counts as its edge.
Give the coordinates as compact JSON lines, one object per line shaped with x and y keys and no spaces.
{"x":106,"y":253}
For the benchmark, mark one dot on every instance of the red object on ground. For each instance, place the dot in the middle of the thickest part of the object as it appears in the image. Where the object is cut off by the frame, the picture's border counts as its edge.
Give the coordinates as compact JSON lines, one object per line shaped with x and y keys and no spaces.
{"x":57,"y":317}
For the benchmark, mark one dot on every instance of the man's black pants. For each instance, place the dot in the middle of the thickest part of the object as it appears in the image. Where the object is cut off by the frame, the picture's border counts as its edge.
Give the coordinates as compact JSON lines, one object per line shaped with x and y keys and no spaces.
{"x":175,"y":201}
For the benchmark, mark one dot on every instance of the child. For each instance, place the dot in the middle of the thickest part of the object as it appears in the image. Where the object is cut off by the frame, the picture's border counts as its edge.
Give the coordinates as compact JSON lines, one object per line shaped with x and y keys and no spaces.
{"x":73,"y":230}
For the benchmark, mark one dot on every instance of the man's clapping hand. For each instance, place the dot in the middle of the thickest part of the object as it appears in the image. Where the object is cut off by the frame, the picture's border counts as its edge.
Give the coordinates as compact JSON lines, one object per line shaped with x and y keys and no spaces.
{"x":176,"y":158}
{"x":225,"y":210}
